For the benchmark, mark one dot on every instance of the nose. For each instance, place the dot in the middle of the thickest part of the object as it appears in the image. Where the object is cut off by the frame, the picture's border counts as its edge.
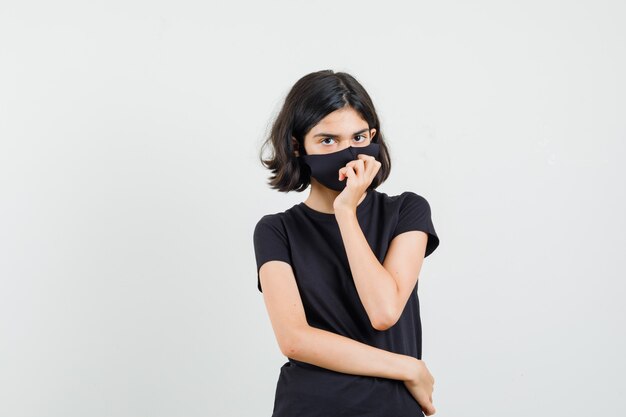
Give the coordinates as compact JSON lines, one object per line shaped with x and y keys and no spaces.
{"x":346,"y":144}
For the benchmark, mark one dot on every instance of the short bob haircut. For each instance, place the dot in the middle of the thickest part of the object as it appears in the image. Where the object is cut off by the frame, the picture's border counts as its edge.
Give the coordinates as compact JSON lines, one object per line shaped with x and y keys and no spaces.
{"x":311,"y":99}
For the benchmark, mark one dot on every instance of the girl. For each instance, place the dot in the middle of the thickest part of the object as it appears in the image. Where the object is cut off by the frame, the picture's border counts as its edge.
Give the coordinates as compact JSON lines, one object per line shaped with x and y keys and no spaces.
{"x":339,"y":271}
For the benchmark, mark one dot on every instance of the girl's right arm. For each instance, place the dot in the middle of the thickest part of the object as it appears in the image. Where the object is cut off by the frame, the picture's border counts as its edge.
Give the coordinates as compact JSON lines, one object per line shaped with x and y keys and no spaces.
{"x":343,"y":354}
{"x":329,"y":350}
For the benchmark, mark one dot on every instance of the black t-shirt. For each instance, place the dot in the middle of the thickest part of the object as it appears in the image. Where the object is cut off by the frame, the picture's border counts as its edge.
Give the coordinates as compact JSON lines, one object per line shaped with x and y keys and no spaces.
{"x":310,"y":241}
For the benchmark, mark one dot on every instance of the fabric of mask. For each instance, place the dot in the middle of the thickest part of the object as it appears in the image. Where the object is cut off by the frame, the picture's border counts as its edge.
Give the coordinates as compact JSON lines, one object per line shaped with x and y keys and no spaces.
{"x":325,"y":167}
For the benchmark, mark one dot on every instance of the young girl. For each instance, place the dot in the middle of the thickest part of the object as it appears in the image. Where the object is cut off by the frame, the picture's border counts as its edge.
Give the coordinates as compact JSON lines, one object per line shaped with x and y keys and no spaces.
{"x":339,"y":270}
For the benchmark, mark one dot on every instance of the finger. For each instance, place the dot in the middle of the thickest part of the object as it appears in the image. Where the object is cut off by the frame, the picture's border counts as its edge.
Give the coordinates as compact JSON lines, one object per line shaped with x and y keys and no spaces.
{"x":353,"y":164}
{"x":365,"y":157}
{"x":373,"y":168}
{"x":428,"y":409}
{"x":348,"y":165}
{"x":341,"y":173}
{"x":371,"y":164}
{"x":359,"y":167}
{"x":427,"y":406}
{"x":350,"y":173}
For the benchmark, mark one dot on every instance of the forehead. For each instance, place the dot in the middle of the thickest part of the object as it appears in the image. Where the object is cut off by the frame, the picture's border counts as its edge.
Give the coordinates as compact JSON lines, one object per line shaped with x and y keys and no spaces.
{"x":343,"y":120}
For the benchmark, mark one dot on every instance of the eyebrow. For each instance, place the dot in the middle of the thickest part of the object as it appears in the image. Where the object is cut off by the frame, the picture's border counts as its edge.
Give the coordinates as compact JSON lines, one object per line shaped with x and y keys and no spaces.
{"x":334,"y":136}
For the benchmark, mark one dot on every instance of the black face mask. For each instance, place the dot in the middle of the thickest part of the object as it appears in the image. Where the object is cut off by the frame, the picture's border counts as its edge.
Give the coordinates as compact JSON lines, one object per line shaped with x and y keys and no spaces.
{"x":325,"y":167}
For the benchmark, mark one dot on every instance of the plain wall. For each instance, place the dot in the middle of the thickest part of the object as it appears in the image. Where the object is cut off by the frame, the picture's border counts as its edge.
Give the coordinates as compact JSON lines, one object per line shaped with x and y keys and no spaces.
{"x":130,"y":186}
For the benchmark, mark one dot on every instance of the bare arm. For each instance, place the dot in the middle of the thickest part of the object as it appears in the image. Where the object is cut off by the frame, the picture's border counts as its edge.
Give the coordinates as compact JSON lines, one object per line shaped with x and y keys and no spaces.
{"x":329,"y":350}
{"x":342,"y":354}
{"x":383,"y":288}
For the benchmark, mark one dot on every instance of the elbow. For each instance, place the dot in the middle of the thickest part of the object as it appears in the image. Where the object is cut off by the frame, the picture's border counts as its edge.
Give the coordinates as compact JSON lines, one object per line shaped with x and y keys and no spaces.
{"x":384,"y":321}
{"x":387,"y":314}
{"x":382,"y":324}
{"x":291,"y":345}
{"x":289,"y":349}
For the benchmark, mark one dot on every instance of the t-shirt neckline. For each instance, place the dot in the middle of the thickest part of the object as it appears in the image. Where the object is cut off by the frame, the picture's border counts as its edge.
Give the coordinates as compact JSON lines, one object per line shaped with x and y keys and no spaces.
{"x":360,"y":208}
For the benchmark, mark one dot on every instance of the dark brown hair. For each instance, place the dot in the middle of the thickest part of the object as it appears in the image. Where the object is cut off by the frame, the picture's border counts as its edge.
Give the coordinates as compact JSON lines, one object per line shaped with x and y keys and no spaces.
{"x":311,"y":99}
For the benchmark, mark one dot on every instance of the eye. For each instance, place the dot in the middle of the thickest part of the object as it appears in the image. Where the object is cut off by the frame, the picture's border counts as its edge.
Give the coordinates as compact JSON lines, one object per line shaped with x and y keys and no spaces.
{"x":327,"y":139}
{"x":361,"y":137}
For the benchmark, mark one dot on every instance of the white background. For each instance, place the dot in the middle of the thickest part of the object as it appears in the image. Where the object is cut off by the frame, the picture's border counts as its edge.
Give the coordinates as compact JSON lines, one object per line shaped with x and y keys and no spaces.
{"x":130,"y":186}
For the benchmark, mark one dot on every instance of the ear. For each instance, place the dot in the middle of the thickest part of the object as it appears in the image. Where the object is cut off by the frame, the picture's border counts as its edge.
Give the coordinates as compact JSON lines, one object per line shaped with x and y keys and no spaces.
{"x":372,"y":133}
{"x":295,"y":146}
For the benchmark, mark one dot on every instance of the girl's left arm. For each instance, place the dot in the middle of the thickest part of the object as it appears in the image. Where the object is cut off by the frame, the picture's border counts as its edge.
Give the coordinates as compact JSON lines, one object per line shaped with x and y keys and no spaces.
{"x":383,"y":288}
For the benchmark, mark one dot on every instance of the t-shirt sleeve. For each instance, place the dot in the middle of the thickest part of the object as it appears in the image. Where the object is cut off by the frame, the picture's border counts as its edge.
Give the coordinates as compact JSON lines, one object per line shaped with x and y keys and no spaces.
{"x":415,"y":215}
{"x":270,"y":243}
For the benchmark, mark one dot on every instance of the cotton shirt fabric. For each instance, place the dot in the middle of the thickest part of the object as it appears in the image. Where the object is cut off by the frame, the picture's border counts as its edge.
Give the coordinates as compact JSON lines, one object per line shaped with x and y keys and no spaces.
{"x":310,"y":241}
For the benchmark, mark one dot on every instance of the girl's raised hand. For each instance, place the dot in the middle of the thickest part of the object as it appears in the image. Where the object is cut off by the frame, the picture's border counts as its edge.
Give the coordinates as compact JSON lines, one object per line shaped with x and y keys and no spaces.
{"x":359,"y":174}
